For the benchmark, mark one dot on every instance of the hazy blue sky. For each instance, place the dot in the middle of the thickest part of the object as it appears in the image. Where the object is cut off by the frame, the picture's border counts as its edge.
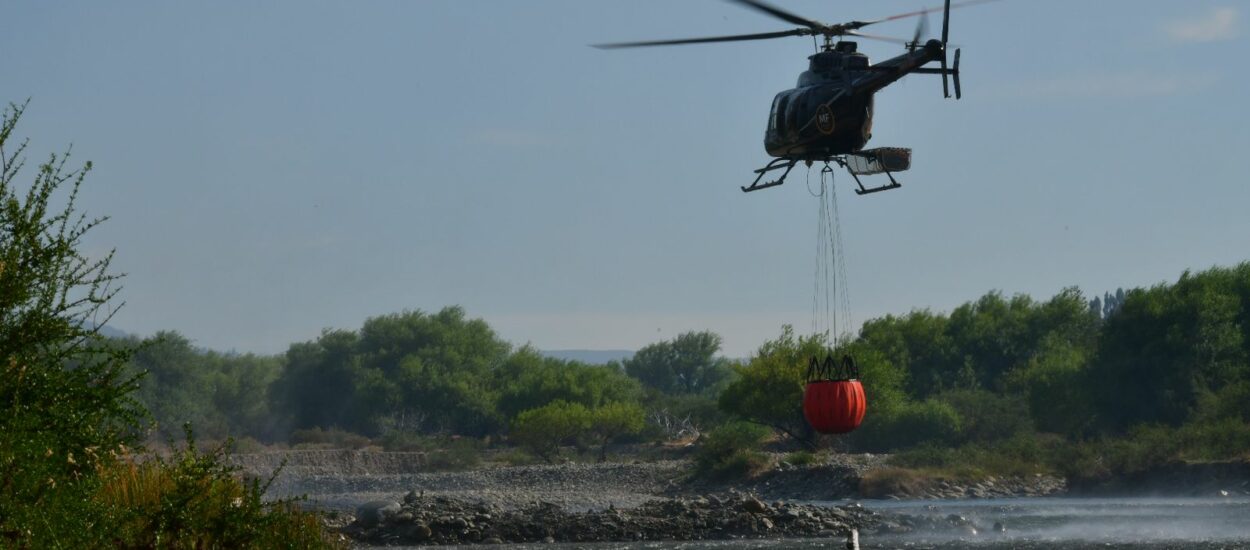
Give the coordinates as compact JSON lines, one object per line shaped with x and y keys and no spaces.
{"x":275,"y":168}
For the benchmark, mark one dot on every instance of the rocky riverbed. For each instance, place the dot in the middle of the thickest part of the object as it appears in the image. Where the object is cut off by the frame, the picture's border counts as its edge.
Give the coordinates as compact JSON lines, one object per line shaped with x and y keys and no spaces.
{"x":341,"y":480}
{"x":423,"y":519}
{"x":392,"y":498}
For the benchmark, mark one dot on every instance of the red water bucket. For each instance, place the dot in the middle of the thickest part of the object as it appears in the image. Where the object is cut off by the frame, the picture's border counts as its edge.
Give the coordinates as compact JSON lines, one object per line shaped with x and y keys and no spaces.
{"x":833,"y":401}
{"x":834,"y":406}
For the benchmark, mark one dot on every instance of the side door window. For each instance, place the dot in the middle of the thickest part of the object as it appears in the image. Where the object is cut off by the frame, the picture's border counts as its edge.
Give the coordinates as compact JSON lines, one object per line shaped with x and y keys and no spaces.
{"x":782,"y":115}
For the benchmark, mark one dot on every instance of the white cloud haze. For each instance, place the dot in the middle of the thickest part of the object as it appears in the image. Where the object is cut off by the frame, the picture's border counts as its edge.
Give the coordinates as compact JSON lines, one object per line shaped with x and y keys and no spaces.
{"x":1217,"y":25}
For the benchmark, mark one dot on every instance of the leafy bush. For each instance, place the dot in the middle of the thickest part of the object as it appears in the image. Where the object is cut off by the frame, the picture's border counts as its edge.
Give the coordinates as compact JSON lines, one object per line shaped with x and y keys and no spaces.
{"x":769,"y":388}
{"x":1022,"y":455}
{"x":455,"y":454}
{"x":65,"y":394}
{"x":612,"y":421}
{"x":545,"y":429}
{"x":683,"y":415}
{"x":806,"y":458}
{"x":731,"y":451}
{"x":517,"y":457}
{"x":67,"y":413}
{"x":195,"y":500}
{"x":986,"y":416}
{"x":908,"y":425}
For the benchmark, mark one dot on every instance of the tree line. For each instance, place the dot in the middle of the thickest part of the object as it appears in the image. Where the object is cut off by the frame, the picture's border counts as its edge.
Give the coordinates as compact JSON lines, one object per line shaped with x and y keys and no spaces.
{"x":1169,"y":357}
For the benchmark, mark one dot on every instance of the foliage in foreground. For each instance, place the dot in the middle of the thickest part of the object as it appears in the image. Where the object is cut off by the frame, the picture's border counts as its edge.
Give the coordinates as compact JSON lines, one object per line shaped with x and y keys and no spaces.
{"x":65,"y":404}
{"x":67,"y":412}
{"x":194,"y":499}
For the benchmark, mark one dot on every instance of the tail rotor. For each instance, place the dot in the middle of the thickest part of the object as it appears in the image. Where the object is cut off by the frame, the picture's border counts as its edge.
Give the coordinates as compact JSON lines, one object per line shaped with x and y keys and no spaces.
{"x":955,"y":73}
{"x":948,"y":72}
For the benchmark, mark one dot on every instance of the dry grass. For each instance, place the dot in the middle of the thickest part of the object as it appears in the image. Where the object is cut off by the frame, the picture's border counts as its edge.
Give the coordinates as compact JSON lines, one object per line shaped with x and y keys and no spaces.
{"x":194,"y":501}
{"x":901,"y":482}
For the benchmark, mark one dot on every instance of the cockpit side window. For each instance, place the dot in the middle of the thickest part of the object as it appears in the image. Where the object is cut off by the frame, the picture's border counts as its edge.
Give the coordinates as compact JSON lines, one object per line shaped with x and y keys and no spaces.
{"x":773,"y":116}
{"x":780,"y":116}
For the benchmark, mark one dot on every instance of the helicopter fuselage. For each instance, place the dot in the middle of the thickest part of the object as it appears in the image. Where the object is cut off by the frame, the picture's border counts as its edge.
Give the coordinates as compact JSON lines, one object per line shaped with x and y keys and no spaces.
{"x":829,"y":112}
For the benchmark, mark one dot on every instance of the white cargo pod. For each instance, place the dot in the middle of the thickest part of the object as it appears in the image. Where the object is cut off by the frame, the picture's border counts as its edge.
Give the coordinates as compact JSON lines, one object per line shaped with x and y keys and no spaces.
{"x":879,"y":161}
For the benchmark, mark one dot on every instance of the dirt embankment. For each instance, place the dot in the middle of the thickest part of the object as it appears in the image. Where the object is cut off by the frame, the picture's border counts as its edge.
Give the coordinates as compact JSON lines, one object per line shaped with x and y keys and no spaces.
{"x":343,"y":479}
{"x":330,"y":462}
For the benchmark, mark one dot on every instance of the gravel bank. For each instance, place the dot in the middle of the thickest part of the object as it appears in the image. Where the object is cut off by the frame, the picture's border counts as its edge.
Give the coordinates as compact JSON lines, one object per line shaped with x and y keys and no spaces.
{"x":341,"y":480}
{"x":570,"y":486}
{"x":443,"y":520}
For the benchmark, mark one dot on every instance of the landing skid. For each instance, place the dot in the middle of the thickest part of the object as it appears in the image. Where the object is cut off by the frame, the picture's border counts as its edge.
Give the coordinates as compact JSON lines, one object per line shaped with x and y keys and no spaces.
{"x":894,"y":184}
{"x":863,"y":163}
{"x":776,"y":164}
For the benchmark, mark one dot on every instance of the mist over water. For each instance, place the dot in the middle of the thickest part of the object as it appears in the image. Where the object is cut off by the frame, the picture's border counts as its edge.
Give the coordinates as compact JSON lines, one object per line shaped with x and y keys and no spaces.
{"x":1073,"y":522}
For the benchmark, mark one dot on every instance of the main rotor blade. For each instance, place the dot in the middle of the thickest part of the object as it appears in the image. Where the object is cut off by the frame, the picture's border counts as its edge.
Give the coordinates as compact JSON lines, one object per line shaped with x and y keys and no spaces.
{"x":780,"y":13}
{"x":730,"y":38}
{"x":879,"y":37}
{"x":963,"y":4}
{"x":922,"y":29}
{"x":946,"y":23}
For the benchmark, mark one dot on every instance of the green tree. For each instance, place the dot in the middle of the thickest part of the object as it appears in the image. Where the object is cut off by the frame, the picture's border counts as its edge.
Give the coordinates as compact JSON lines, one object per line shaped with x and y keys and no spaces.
{"x":986,"y":416}
{"x":317,"y":388}
{"x":1056,"y":388}
{"x":528,"y":380}
{"x":65,"y":402}
{"x":614,"y":420}
{"x":909,"y":424}
{"x":436,"y":366}
{"x":768,"y":389}
{"x":177,"y":386}
{"x":545,"y":429}
{"x":685,"y":364}
{"x":1167,"y":346}
{"x":918,"y":344}
{"x":240,"y":393}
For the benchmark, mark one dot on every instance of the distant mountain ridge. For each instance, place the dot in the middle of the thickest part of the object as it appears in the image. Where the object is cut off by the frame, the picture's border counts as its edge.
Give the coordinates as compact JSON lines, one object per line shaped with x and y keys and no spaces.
{"x":590,"y":356}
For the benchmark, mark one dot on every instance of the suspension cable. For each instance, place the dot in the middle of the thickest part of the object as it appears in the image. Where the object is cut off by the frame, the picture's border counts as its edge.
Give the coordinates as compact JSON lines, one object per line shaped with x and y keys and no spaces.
{"x":830,"y":297}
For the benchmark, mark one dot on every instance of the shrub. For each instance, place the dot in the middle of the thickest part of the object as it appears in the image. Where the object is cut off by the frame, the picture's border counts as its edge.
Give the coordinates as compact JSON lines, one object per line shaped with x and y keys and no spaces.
{"x":517,"y":457}
{"x":671,"y":417}
{"x":908,"y":425}
{"x":333,"y":438}
{"x":65,"y":396}
{"x":885,"y":482}
{"x":455,"y":454}
{"x":614,"y":420}
{"x":545,"y":429}
{"x":806,"y":458}
{"x":731,"y":450}
{"x":196,"y":500}
{"x":1023,"y":455}
{"x":985,"y":416}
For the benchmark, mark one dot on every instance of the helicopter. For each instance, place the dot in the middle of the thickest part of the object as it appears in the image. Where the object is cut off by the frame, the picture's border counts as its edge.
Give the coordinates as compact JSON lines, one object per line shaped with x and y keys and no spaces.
{"x":827,"y":117}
